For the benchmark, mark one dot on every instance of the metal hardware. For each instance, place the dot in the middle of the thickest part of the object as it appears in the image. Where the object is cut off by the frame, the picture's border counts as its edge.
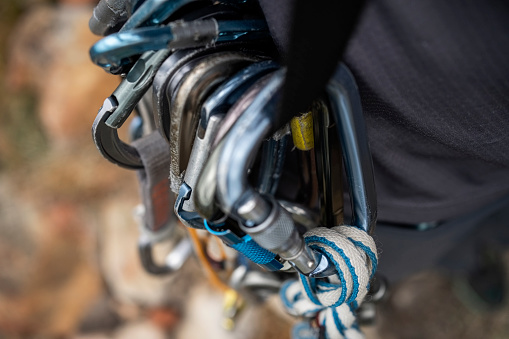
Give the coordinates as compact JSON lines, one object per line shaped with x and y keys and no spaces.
{"x":173,"y":261}
{"x":245,"y":245}
{"x":163,"y":76}
{"x":190,"y":94}
{"x":268,"y":224}
{"x":199,"y":156}
{"x":329,"y":166}
{"x":347,"y":111}
{"x":205,"y":193}
{"x":273,"y":158}
{"x":143,"y":122}
{"x":200,"y":152}
{"x":302,"y":131}
{"x":107,"y":141}
{"x":205,"y":190}
{"x":260,"y":284}
{"x":234,"y":195}
{"x":145,"y":109}
{"x":240,"y":107}
{"x":153,"y":12}
{"x":190,"y":219}
{"x":231,"y":92}
{"x":233,"y":304}
{"x":208,"y":83}
{"x":226,"y":95}
{"x":278,"y":234}
{"x":180,"y":62}
{"x":184,"y":205}
{"x":115,"y":50}
{"x":134,"y":86}
{"x":301,"y":214}
{"x":117,"y":108}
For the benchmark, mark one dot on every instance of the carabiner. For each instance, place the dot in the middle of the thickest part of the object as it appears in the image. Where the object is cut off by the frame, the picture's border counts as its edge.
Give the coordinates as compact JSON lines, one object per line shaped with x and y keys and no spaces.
{"x":117,"y":108}
{"x":230,"y":92}
{"x":346,"y":106}
{"x":107,"y":141}
{"x":152,"y":12}
{"x":115,"y":50}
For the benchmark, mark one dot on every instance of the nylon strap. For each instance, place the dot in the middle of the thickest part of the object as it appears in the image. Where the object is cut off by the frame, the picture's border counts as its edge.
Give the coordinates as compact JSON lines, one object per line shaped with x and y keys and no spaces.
{"x":153,"y":180}
{"x":311,"y":48}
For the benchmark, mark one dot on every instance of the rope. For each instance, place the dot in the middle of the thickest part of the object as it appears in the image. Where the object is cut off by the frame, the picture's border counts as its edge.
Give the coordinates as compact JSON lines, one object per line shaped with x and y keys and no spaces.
{"x":334,"y":300}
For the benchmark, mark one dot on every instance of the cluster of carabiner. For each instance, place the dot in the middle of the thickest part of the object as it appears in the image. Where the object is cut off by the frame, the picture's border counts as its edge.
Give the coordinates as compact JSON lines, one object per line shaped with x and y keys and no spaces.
{"x":203,"y":80}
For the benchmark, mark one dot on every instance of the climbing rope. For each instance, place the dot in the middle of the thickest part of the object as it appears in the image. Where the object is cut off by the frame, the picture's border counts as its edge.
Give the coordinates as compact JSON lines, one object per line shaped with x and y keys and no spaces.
{"x":333,"y":301}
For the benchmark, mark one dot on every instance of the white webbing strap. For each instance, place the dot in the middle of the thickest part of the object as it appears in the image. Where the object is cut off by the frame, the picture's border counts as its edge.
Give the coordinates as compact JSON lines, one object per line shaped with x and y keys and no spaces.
{"x":334,"y":300}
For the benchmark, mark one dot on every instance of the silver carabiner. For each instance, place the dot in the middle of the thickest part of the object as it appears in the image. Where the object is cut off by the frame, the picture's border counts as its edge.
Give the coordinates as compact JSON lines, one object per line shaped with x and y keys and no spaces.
{"x":186,"y":100}
{"x":263,"y":218}
{"x":205,"y":191}
{"x":212,"y":113}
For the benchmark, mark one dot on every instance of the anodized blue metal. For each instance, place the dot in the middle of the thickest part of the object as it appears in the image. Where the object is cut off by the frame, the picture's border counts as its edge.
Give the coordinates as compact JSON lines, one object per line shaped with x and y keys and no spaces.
{"x":153,"y":12}
{"x":223,"y":233}
{"x":242,"y":244}
{"x":114,"y":50}
{"x":231,"y":30}
{"x":246,"y":246}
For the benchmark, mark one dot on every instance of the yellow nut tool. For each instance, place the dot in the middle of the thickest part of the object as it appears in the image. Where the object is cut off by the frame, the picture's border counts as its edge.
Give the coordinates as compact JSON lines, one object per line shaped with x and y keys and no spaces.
{"x":302,"y":131}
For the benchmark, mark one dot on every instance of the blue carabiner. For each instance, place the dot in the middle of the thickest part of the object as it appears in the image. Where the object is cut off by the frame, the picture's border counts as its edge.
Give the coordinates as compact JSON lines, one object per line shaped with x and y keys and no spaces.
{"x":115,"y":50}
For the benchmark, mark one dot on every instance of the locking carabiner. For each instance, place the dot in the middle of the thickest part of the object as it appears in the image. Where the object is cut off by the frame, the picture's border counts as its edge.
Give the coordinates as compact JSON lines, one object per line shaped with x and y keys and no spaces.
{"x":263,"y":218}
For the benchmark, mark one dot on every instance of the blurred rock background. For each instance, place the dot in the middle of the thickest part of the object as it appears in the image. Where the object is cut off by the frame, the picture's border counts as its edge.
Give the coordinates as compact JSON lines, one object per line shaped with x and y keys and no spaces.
{"x":68,"y":258}
{"x":68,"y":241}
